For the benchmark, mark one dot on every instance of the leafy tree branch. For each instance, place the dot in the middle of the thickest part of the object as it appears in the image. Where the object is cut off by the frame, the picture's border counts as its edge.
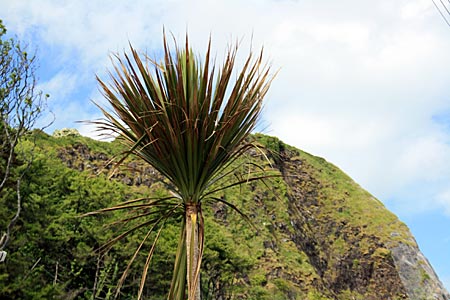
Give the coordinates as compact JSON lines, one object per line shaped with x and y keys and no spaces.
{"x":21,"y":104}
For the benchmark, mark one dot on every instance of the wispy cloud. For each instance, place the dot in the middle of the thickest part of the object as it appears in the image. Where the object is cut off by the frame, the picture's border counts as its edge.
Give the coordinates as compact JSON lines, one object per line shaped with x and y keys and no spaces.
{"x":360,"y":83}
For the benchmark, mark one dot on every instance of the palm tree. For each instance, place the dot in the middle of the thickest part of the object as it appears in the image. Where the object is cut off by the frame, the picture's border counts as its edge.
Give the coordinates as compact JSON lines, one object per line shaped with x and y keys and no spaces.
{"x":188,"y":120}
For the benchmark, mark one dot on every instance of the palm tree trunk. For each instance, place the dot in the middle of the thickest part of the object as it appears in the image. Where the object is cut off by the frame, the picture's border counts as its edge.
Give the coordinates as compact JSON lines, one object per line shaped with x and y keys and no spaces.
{"x":194,"y":248}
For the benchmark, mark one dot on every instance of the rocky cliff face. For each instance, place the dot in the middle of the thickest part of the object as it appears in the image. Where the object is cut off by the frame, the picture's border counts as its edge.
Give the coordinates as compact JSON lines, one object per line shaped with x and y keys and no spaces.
{"x":417,"y":275}
{"x":354,"y":247}
{"x":350,"y":247}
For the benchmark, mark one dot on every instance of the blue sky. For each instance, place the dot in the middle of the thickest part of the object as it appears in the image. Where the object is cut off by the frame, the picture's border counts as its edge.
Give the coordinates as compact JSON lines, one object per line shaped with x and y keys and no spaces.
{"x":364,"y":84}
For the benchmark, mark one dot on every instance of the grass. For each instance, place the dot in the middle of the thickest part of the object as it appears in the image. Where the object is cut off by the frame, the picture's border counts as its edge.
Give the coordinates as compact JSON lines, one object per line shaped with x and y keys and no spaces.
{"x":344,"y":200}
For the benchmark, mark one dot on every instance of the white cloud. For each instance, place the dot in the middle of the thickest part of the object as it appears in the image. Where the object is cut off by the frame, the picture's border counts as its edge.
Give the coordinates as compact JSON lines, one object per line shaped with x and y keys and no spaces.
{"x":359,"y":83}
{"x":417,"y":9}
{"x":60,"y":86}
{"x":444,"y":199}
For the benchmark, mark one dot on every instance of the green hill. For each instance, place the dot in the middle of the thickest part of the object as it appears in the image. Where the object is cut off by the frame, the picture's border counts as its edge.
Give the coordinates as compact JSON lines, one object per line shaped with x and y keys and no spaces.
{"x":316,"y":234}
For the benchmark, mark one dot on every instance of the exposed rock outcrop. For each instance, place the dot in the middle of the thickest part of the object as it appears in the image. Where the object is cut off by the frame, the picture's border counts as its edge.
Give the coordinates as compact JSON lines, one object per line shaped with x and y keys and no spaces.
{"x":417,"y":275}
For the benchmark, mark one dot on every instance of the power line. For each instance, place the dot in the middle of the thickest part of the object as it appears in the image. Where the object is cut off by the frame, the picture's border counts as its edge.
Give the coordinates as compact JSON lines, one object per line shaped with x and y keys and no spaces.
{"x":443,"y":11}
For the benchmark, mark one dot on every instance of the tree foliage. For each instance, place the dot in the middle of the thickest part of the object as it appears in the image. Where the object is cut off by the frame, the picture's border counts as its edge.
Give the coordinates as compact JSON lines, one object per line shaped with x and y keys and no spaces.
{"x":20,"y":107}
{"x":54,"y":252}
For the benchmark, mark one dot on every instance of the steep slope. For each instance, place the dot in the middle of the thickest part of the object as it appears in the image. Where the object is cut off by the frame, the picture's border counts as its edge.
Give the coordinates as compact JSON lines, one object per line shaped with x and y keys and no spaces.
{"x":315,"y":235}
{"x":352,"y":241}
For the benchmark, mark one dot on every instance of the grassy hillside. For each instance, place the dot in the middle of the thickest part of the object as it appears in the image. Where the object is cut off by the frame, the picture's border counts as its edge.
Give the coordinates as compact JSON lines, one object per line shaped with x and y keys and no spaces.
{"x":315,"y":234}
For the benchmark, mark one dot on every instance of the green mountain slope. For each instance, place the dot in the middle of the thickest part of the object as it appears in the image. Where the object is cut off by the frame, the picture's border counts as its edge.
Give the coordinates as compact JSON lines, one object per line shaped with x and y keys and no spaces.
{"x":316,"y":235}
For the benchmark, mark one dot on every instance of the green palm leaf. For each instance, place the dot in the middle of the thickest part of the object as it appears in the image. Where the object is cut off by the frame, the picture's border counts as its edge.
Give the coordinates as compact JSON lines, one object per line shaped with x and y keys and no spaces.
{"x":190,"y":122}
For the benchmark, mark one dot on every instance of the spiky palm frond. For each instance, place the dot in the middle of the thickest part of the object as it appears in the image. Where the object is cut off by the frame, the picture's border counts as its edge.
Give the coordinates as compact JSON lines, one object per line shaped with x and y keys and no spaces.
{"x":178,"y":119}
{"x":190,"y":122}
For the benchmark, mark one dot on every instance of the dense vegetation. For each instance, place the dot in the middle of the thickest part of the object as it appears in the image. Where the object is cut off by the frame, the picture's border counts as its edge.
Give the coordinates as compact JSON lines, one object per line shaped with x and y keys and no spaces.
{"x":315,"y":234}
{"x":52,"y":249}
